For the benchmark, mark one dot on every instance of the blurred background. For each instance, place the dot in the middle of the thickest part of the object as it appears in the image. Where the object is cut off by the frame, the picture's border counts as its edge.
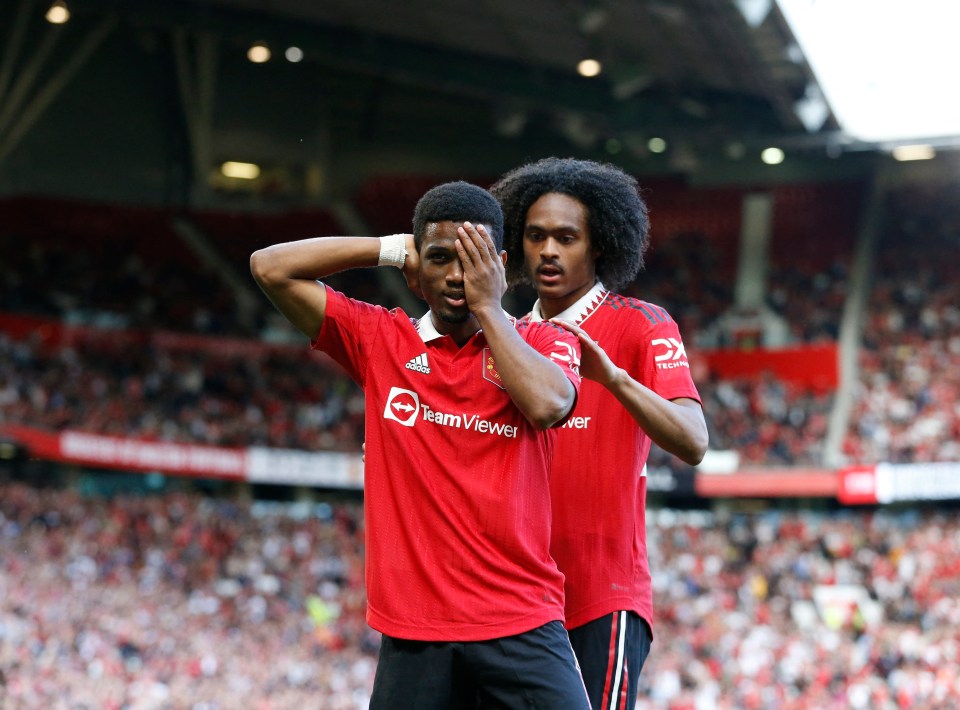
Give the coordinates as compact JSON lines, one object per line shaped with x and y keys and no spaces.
{"x":181,"y":506}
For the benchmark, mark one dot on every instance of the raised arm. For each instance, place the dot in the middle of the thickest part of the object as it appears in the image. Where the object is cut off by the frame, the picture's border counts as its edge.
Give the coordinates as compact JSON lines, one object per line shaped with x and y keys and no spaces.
{"x":537,"y":386}
{"x":676,"y":426}
{"x":288,"y":273}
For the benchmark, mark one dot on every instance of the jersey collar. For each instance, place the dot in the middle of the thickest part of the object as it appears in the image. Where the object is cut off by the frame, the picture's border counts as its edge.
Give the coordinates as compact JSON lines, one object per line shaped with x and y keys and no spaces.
{"x":428,"y":331}
{"x":578,"y":312}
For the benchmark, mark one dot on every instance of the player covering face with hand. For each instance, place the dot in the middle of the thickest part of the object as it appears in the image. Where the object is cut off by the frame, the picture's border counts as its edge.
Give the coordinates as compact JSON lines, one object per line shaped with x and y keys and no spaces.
{"x":462,"y":410}
{"x":576,"y":230}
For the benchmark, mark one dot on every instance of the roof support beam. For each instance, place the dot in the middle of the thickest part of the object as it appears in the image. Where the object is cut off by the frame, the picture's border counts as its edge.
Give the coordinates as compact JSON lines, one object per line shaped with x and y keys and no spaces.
{"x":19,"y":115}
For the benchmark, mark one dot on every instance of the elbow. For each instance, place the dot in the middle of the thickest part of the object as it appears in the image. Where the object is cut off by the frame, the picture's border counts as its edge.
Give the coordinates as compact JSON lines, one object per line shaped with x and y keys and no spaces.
{"x":546,"y":419}
{"x":263,"y":267}
{"x":696,"y":448}
{"x":551,"y":411}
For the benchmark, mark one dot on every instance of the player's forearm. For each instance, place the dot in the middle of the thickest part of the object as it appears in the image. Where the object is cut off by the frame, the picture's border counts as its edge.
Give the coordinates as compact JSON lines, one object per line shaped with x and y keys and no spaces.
{"x":313,"y":258}
{"x":677,"y":427}
{"x":537,"y":386}
{"x":287,"y":274}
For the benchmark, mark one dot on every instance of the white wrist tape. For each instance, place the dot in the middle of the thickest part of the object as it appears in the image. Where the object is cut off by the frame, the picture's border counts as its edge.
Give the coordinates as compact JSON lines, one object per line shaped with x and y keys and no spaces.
{"x":393,"y":250}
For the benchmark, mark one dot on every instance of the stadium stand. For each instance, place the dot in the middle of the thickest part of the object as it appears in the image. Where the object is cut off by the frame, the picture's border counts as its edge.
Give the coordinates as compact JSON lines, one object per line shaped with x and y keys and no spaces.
{"x":143,"y":601}
{"x":767,"y":420}
{"x":148,"y":602}
{"x":238,"y":234}
{"x":202,"y":392}
{"x":906,"y":401}
{"x":691,"y":271}
{"x":108,"y":265}
{"x":149,"y":278}
{"x":95,"y":591}
{"x":746,"y":620}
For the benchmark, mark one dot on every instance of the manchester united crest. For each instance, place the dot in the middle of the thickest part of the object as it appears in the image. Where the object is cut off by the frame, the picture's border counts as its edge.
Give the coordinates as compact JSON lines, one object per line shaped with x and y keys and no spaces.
{"x":490,"y":373}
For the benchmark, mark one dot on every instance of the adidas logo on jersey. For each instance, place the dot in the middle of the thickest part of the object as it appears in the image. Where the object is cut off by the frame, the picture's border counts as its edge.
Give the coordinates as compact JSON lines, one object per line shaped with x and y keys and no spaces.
{"x":419,"y":364}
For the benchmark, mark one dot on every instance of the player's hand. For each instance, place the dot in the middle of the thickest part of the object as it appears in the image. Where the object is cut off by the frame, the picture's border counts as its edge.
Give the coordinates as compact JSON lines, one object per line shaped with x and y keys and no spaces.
{"x":595,"y":364}
{"x":484,"y":276}
{"x":411,"y":267}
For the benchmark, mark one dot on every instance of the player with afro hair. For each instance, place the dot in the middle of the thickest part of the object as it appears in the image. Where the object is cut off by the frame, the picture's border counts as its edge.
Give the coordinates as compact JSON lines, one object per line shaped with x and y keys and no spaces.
{"x":616,"y":213}
{"x":576,"y":229}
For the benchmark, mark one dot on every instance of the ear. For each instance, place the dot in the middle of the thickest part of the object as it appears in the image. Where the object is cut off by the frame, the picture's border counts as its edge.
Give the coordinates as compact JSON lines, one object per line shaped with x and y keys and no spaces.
{"x":413,"y":283}
{"x":503,"y":257}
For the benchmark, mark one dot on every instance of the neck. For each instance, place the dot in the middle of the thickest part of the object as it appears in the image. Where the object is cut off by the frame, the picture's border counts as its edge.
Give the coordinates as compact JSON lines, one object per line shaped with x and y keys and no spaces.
{"x":460,"y":332}
{"x":553,"y":307}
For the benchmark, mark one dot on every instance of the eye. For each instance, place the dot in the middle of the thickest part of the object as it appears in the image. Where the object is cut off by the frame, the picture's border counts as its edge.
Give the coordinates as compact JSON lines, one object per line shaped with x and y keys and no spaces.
{"x":534,"y":236}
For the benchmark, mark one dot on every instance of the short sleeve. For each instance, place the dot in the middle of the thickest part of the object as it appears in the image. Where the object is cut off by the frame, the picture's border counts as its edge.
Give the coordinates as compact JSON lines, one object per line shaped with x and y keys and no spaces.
{"x":661,"y":361}
{"x":561,"y":347}
{"x":348,"y":333}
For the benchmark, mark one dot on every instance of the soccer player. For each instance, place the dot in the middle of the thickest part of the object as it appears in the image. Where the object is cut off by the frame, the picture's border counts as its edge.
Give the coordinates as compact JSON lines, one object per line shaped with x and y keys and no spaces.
{"x":460,"y":406}
{"x":577,"y":229}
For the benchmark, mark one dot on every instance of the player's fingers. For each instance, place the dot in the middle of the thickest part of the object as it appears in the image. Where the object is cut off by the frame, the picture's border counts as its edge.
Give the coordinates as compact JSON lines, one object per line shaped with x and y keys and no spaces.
{"x":572,"y":327}
{"x":466,"y":258}
{"x":487,"y":240}
{"x":477,"y":236}
{"x":466,"y":238}
{"x":582,"y":335}
{"x":588,"y":342}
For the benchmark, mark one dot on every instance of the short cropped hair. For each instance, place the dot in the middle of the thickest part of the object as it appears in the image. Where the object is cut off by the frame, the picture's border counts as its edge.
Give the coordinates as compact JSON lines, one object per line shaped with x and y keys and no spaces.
{"x":458,"y":202}
{"x":616,"y":213}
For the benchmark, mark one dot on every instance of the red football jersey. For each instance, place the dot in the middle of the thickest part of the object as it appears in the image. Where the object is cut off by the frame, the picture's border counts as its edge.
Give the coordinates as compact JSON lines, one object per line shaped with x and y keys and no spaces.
{"x":598,"y":479}
{"x":457,"y":493}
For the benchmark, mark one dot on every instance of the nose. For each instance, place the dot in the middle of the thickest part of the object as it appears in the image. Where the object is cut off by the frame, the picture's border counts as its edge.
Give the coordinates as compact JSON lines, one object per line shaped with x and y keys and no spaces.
{"x":548,"y":249}
{"x":455,"y":272}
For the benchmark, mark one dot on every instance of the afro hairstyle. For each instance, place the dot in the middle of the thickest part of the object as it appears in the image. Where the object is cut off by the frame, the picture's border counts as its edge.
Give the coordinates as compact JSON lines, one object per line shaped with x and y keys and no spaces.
{"x":616,"y":213}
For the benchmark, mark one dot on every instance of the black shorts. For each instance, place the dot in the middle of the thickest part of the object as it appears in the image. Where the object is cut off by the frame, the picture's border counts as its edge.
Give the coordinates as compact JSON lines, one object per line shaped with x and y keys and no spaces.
{"x":535,"y":669}
{"x":611,"y":651}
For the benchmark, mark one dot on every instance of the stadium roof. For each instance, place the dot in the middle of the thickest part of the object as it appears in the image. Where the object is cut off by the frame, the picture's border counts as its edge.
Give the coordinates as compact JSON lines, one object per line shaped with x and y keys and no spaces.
{"x":163,"y":85}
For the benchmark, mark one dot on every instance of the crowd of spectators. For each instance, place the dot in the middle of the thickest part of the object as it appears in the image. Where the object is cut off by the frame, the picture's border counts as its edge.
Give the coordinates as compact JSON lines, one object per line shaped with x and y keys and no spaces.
{"x":286,"y":397}
{"x":178,"y":601}
{"x":686,"y":276}
{"x":282,"y":397}
{"x":767,"y":420}
{"x":106,"y":265}
{"x":740,"y":626}
{"x":174,"y":600}
{"x":907,"y":403}
{"x":123,"y":267}
{"x":810,"y":302}
{"x":904,"y":409}
{"x":129,"y":267}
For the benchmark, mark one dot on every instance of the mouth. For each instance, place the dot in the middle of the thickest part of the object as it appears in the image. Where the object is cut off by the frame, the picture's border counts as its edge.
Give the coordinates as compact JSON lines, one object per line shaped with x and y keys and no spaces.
{"x":549,"y":274}
{"x":456,"y":300}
